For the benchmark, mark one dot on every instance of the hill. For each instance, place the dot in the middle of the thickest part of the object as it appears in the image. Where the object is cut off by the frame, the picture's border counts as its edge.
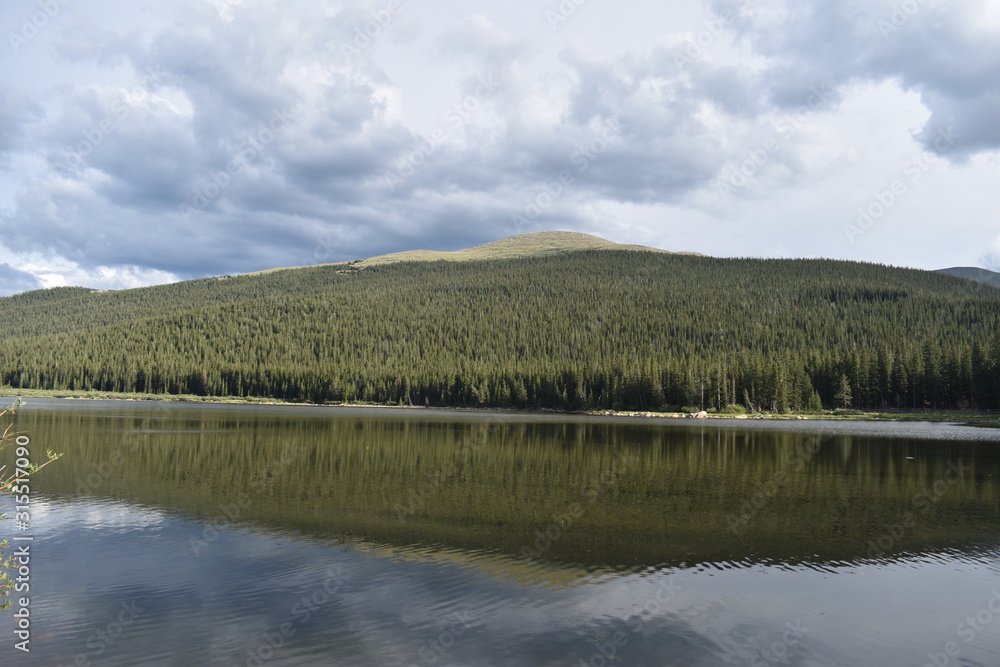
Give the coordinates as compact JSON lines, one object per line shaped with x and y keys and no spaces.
{"x":974,"y":273}
{"x":534,"y":244}
{"x":598,"y":327}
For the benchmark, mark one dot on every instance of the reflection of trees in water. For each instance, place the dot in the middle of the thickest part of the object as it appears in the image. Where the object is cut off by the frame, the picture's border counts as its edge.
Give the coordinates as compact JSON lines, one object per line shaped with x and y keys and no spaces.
{"x":349,"y":475}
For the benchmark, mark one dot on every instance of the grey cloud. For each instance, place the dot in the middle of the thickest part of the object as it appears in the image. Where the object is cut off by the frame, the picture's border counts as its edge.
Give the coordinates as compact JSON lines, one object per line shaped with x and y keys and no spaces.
{"x":9,"y":122}
{"x":932,"y":49}
{"x":734,"y":90}
{"x":958,"y":129}
{"x":321,"y":181}
{"x":128,"y":176}
{"x":16,"y":113}
{"x":477,"y":38}
{"x":600,"y":88}
{"x":326,"y":170}
{"x":13,"y":281}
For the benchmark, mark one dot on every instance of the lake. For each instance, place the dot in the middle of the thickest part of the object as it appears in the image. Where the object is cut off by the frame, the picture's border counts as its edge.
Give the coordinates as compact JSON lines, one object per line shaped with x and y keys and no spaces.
{"x":196,"y":534}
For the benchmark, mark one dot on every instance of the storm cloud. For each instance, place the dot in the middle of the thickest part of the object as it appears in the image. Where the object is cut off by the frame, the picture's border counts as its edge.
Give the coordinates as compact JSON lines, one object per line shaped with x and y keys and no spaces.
{"x":144,"y":143}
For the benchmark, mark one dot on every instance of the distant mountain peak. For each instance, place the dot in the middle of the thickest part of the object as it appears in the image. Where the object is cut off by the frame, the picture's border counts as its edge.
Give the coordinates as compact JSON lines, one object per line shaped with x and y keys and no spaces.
{"x":973,"y":273}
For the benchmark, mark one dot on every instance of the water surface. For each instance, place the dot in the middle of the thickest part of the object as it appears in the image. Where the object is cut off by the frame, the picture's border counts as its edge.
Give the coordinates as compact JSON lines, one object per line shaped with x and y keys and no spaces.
{"x":174,"y":534}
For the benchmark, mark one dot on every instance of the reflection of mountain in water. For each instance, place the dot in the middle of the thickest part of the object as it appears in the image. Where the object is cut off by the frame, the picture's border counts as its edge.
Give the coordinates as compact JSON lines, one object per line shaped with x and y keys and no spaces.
{"x":520,"y":498}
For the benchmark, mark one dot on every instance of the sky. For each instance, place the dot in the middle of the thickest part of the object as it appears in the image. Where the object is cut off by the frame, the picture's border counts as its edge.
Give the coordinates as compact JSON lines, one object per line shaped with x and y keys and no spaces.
{"x":146,"y":142}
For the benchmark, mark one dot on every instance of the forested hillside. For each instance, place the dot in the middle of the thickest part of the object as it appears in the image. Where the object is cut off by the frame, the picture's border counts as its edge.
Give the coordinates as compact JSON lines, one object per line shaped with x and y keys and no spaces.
{"x":586,"y":329}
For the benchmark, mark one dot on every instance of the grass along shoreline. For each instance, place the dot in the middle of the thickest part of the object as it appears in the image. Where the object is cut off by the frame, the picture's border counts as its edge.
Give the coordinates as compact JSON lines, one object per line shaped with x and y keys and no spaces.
{"x":973,"y":417}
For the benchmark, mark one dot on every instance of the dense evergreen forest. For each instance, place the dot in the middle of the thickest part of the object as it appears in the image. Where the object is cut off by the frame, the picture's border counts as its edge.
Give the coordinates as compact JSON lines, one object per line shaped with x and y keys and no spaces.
{"x":581,"y":330}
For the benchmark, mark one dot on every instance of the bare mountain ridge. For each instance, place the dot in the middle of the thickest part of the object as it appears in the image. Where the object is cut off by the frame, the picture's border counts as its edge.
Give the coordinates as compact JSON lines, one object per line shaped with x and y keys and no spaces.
{"x":973,"y":273}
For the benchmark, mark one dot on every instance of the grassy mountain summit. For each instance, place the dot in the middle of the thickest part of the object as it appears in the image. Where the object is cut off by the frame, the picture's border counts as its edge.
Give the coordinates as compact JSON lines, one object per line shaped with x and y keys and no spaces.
{"x":571,"y":321}
{"x":533,"y":244}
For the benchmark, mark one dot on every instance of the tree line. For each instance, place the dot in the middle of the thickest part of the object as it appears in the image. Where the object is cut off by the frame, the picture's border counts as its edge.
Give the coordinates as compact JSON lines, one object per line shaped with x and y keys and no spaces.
{"x":584,"y":330}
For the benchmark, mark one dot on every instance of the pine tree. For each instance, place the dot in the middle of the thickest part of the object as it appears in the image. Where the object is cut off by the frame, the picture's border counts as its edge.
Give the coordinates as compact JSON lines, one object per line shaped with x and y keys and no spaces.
{"x":844,"y":396}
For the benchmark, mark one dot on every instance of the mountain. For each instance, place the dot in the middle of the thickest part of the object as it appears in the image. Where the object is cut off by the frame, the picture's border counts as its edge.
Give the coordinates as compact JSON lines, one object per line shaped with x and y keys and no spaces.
{"x":973,"y":273}
{"x":534,"y":244}
{"x":552,"y":320}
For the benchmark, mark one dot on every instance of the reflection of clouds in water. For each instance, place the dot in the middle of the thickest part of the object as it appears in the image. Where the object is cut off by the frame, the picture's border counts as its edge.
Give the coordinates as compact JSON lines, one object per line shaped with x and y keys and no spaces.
{"x":118,"y":516}
{"x":245,"y":586}
{"x":396,"y":602}
{"x":56,"y":516}
{"x":50,"y":517}
{"x":392,"y":608}
{"x":650,"y":618}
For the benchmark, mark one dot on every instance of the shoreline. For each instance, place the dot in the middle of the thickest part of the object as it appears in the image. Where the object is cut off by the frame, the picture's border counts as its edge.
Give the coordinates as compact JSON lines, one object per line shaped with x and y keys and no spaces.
{"x":972,"y":418}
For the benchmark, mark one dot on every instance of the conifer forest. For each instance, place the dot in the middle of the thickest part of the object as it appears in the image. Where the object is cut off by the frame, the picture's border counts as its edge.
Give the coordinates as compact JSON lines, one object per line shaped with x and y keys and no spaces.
{"x":594,"y":329}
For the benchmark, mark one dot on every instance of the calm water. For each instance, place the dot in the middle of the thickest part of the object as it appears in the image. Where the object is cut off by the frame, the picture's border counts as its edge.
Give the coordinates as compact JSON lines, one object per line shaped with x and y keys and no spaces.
{"x":215,"y":535}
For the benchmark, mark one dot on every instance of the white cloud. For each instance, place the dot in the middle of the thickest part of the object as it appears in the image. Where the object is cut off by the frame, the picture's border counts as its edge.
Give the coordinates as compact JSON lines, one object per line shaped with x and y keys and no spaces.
{"x":59,"y":272}
{"x":991,"y":260}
